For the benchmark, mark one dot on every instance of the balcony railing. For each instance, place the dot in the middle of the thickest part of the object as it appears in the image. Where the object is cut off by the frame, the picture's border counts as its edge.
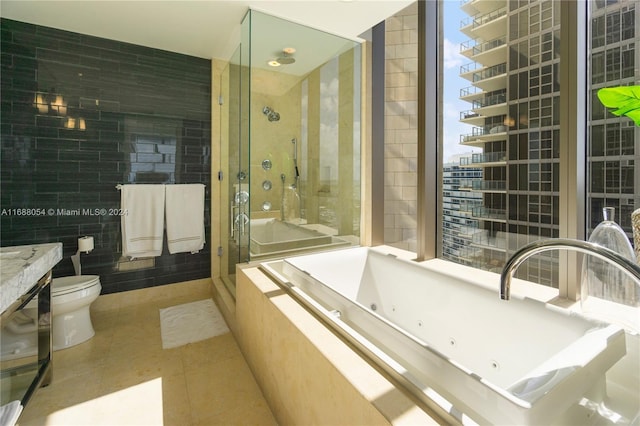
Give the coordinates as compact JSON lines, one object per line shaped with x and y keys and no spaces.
{"x":467,"y":232}
{"x":470,"y":204}
{"x":489,"y":185}
{"x":488,"y":45}
{"x":489,"y":100}
{"x":470,"y":254}
{"x":468,"y":114}
{"x":471,"y":66}
{"x":483,"y":212}
{"x":466,"y":45}
{"x":483,"y":131}
{"x":490,"y":72}
{"x":482,"y":47}
{"x":470,"y":90}
{"x":489,"y":157}
{"x":476,"y":131}
{"x":465,"y":183}
{"x":484,"y":238}
{"x":481,"y":19}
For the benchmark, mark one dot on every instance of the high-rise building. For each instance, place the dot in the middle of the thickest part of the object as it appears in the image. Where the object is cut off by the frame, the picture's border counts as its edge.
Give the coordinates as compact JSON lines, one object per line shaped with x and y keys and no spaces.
{"x":514,"y":96}
{"x":461,"y":239}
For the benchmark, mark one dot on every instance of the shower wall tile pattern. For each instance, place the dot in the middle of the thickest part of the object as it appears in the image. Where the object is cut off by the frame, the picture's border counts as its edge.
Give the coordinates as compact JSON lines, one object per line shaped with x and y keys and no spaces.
{"x":81,"y":114}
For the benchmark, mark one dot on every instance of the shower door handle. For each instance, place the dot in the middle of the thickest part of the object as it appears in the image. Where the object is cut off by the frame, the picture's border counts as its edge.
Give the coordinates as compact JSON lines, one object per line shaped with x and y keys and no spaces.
{"x":232,"y":224}
{"x":241,"y":220}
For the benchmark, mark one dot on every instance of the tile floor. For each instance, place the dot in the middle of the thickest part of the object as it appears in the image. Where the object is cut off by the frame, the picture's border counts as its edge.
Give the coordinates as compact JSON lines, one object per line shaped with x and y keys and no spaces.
{"x":123,"y":376}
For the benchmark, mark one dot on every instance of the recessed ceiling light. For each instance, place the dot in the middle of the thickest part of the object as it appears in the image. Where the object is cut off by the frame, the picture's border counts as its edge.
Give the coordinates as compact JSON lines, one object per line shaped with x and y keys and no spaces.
{"x":274,"y":63}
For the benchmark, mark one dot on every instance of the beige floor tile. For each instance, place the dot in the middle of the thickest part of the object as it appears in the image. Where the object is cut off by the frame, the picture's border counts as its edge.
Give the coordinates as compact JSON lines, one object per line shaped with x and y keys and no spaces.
{"x":223,"y":391}
{"x":123,"y":376}
{"x":60,"y":399}
{"x":138,"y":344}
{"x":175,"y":401}
{"x":137,"y":404}
{"x":199,"y":355}
{"x":146,"y":316}
{"x":254,"y":413}
{"x":120,"y":373}
{"x":107,"y":303}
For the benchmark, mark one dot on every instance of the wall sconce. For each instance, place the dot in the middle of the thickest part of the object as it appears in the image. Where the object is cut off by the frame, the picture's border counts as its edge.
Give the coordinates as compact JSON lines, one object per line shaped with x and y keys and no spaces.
{"x":46,"y":103}
{"x":40,"y":104}
{"x":75,"y":123}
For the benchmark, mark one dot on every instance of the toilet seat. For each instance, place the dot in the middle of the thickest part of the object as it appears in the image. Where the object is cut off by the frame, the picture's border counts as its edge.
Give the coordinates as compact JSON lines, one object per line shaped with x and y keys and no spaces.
{"x":66,"y":285}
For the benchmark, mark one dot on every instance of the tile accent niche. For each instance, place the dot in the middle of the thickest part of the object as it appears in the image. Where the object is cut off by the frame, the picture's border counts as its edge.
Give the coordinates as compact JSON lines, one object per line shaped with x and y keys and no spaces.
{"x":81,"y":114}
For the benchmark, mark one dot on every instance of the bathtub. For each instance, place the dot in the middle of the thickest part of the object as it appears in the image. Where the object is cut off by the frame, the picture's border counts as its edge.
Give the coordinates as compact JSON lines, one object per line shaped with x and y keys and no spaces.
{"x":453,"y":344}
{"x":275,"y":237}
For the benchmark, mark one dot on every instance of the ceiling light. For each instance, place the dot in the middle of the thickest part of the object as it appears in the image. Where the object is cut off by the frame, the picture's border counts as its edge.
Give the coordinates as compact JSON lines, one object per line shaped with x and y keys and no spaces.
{"x":274,"y":63}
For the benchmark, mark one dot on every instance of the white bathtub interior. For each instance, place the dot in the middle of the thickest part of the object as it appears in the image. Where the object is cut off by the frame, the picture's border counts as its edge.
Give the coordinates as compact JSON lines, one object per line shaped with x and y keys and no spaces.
{"x":270,"y":237}
{"x":485,"y":360}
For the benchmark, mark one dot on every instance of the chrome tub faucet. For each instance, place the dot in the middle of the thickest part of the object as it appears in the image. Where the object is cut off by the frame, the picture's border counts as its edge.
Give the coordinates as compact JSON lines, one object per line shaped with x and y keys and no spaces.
{"x":625,"y":265}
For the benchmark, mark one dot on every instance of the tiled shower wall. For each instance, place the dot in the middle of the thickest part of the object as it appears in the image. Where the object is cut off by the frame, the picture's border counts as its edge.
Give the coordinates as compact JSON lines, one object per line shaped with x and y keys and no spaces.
{"x":82,"y":114}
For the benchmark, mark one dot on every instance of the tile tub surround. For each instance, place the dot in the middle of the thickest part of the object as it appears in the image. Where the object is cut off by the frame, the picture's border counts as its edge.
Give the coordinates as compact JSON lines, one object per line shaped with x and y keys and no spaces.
{"x":147,"y":119}
{"x":326,"y":382}
{"x":22,"y":266}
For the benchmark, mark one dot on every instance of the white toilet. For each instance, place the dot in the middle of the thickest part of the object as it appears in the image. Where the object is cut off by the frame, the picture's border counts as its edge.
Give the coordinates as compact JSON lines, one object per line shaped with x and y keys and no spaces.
{"x":71,"y":298}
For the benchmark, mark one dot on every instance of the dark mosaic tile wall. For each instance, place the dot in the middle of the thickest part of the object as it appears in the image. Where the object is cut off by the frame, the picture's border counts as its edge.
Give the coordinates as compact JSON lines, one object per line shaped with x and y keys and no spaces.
{"x":82,"y":114}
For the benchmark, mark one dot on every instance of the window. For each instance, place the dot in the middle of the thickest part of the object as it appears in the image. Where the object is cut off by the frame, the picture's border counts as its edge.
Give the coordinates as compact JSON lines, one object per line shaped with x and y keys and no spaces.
{"x":502,"y":133}
{"x":503,"y":101}
{"x":613,"y":149}
{"x":521,"y":208}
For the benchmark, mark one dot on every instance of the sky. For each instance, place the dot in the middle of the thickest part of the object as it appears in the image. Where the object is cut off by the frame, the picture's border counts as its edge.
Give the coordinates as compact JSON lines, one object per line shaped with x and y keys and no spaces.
{"x":453,"y":82}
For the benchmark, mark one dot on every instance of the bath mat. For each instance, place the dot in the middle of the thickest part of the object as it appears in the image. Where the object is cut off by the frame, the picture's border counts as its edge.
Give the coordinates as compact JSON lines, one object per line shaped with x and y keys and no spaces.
{"x":190,"y":322}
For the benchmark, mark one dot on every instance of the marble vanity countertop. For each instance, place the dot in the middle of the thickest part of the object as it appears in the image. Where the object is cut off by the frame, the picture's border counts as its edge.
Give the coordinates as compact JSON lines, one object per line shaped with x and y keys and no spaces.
{"x":22,"y":266}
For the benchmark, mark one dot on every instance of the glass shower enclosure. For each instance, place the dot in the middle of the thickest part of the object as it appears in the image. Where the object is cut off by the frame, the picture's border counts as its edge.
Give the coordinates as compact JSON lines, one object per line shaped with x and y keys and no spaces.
{"x":290,"y":143}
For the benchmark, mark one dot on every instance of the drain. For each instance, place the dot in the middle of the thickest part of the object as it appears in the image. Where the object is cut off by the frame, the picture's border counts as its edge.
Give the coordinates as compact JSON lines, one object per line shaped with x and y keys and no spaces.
{"x":452,"y":341}
{"x":495,"y":365}
{"x":374,"y":307}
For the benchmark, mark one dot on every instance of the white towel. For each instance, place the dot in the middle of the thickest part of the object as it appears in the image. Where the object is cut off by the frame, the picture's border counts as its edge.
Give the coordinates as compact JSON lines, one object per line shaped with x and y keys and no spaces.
{"x":185,"y":218}
{"x":9,"y":413}
{"x":142,"y":220}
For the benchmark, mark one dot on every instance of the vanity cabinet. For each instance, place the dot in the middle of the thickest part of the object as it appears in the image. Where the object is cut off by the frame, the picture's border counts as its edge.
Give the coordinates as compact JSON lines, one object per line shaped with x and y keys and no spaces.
{"x":25,"y":321}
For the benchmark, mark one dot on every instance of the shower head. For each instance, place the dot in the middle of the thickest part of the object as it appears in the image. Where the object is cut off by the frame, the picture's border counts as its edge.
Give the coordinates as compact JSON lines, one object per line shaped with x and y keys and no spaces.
{"x":270,"y":113}
{"x":285,"y":57}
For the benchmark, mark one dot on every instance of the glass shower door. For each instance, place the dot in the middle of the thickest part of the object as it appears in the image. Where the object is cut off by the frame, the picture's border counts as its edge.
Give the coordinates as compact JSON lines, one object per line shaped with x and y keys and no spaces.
{"x":234,"y":194}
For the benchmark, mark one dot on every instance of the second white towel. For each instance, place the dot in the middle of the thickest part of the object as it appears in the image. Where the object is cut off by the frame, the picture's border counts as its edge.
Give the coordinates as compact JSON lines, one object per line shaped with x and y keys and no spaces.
{"x":185,"y":217}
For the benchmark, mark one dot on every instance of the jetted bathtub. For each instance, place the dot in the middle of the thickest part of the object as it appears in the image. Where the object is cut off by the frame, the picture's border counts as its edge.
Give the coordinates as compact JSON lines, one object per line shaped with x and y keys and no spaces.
{"x":453,"y":343}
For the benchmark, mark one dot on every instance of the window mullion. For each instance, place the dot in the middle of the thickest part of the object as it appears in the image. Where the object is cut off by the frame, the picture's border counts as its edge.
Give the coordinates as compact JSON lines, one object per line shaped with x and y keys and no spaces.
{"x":573,"y":124}
{"x":429,"y":161}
